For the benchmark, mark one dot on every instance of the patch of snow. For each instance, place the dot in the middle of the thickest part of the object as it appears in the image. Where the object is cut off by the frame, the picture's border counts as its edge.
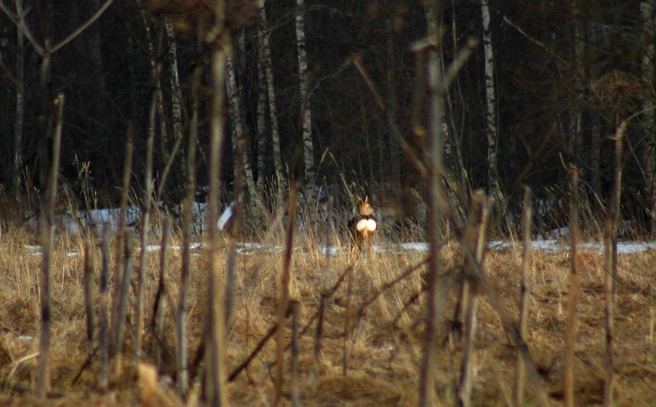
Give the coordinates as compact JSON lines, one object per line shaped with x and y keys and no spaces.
{"x":331,"y":250}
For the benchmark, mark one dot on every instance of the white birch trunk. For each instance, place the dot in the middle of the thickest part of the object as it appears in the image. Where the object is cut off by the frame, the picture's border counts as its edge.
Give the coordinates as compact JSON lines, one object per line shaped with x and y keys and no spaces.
{"x":260,"y":120}
{"x":490,"y":100}
{"x":306,"y":111}
{"x":176,"y":92}
{"x":265,"y":47}
{"x":237,"y":123}
{"x":649,"y":152}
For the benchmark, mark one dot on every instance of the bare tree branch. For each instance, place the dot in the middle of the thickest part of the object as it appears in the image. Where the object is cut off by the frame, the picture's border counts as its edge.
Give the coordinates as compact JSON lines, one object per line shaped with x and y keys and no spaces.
{"x":19,"y":21}
{"x":83,"y":27}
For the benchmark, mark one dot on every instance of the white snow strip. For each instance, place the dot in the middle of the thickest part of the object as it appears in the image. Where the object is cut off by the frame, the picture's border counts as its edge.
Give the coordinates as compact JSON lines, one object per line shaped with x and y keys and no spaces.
{"x":549,"y":246}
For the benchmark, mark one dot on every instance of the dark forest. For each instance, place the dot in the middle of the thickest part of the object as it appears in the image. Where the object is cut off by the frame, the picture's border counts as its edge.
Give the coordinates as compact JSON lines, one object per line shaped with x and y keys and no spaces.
{"x":545,"y":88}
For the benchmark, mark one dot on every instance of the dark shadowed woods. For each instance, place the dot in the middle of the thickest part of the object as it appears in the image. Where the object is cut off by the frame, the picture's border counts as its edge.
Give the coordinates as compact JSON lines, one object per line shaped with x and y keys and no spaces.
{"x":545,"y":87}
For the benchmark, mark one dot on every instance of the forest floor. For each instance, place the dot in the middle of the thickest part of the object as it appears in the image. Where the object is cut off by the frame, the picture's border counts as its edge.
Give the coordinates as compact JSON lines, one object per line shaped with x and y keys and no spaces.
{"x":376,"y":363}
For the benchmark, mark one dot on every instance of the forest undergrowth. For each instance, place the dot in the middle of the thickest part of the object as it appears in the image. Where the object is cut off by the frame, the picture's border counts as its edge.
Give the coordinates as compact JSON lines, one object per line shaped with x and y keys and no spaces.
{"x":368,"y":348}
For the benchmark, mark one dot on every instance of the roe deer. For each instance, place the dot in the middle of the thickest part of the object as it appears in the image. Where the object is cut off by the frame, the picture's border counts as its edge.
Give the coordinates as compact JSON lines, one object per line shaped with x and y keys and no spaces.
{"x":363,"y":225}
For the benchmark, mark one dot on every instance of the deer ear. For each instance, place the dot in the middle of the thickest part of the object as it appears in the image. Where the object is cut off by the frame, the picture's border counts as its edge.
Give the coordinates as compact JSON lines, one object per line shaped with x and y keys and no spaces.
{"x":366,"y":199}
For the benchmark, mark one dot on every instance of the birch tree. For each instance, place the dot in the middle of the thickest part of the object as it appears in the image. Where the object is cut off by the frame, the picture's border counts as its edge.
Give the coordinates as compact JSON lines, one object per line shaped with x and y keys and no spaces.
{"x":306,"y":108}
{"x":260,"y":114}
{"x":490,"y":100}
{"x":174,"y":81}
{"x":237,"y":122}
{"x":264,"y":46}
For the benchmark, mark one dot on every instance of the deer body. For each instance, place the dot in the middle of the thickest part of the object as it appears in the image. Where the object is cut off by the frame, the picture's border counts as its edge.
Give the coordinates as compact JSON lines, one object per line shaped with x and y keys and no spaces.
{"x":363,"y":225}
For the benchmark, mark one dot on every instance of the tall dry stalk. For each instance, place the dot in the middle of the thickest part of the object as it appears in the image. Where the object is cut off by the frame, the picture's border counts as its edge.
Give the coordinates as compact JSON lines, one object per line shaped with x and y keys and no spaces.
{"x":434,"y":302}
{"x":104,"y":333}
{"x":285,"y":276}
{"x":118,"y":318}
{"x":296,"y":310}
{"x":145,"y":215}
{"x":216,"y":385}
{"x":610,"y":261}
{"x":473,"y":242}
{"x":187,"y":225}
{"x":159,"y":306}
{"x":524,"y":287}
{"x":347,"y":322}
{"x":120,"y":227}
{"x":89,"y":296}
{"x":570,"y":334}
{"x":235,"y":227}
{"x":46,"y":238}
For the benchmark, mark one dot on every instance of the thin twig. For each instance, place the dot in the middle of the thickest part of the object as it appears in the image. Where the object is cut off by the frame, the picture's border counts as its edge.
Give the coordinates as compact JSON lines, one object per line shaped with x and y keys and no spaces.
{"x":257,"y":349}
{"x":89,"y":295}
{"x":513,"y":332}
{"x":104,"y":333}
{"x":81,"y":28}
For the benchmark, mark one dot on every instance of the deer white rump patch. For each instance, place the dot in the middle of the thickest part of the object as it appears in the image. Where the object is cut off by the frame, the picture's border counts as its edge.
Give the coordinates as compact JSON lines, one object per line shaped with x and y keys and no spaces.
{"x":366,"y":224}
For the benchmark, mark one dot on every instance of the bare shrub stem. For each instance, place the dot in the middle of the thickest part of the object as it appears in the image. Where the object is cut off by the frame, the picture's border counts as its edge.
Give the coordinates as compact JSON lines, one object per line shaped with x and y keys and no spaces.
{"x":159,"y":306}
{"x":216,"y":387}
{"x":524,"y":288}
{"x":104,"y":333}
{"x":473,"y":242}
{"x":570,"y":334}
{"x":89,"y":295}
{"x":610,"y":261}
{"x":46,"y":238}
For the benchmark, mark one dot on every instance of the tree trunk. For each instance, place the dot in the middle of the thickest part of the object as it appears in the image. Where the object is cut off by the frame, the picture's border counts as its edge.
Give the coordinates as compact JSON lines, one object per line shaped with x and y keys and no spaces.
{"x":265,"y":47}
{"x":176,"y":95}
{"x":306,"y":106}
{"x":490,"y":101}
{"x":595,"y":158}
{"x":237,"y":124}
{"x":260,"y":120}
{"x":160,"y":97}
{"x":435,"y":284}
{"x":392,"y":101}
{"x":20,"y":108}
{"x":649,"y":151}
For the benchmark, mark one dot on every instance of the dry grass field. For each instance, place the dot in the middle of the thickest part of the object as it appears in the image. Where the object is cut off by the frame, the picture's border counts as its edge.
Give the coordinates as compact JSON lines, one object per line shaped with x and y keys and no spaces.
{"x":370,"y":346}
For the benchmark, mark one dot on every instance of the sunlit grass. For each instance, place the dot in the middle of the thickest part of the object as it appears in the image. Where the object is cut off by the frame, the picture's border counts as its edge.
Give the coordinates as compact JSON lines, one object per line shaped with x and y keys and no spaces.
{"x":383,"y":342}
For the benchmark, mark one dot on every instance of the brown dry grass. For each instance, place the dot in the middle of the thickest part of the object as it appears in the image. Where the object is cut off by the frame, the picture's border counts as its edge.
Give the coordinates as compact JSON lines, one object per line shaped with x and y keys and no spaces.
{"x":383,"y":356}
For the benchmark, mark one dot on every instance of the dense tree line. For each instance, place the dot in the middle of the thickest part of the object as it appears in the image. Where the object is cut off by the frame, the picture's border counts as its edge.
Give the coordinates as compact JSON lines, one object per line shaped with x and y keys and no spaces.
{"x":546,"y":85}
